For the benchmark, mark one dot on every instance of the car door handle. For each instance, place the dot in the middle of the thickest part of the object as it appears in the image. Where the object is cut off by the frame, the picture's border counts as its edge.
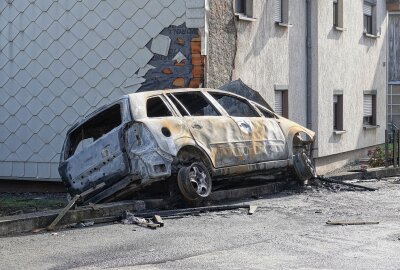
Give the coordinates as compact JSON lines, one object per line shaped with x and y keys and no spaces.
{"x":197,"y":126}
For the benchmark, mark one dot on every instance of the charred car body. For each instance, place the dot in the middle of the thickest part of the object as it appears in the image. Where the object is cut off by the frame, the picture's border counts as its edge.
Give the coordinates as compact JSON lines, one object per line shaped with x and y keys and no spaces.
{"x":192,"y":136}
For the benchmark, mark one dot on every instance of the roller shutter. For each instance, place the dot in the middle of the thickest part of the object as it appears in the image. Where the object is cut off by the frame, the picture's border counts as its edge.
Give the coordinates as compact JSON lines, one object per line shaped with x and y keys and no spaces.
{"x":368,"y":105}
{"x":367,"y":9}
{"x":278,"y":102}
{"x":278,"y":11}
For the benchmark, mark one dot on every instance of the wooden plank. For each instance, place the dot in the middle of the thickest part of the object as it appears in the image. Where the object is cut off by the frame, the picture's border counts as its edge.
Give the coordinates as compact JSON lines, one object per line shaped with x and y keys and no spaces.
{"x":63,"y":212}
{"x":351,"y":222}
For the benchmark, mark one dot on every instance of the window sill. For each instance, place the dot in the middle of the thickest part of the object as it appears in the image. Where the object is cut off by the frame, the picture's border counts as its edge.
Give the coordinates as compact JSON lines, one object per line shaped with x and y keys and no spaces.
{"x":371,"y":36}
{"x":339,"y":132}
{"x":244,"y":17}
{"x":367,"y":127}
{"x":286,"y":25}
{"x":338,"y":28}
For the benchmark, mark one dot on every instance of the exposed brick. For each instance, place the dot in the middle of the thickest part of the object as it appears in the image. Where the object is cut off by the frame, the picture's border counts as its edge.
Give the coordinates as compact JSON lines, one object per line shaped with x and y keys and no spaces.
{"x":197,"y":71}
{"x":195,"y":47}
{"x":179,"y":82}
{"x":195,"y":82}
{"x":167,"y":71}
{"x":197,"y":60}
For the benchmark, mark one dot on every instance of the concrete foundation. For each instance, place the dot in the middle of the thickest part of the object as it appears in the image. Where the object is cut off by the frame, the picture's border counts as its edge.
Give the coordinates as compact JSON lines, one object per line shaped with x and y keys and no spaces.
{"x":332,"y":162}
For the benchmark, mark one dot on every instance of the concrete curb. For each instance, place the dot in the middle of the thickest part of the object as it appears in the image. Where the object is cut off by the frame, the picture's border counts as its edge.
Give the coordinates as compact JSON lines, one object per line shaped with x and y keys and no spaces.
{"x":29,"y":222}
{"x":374,"y":173}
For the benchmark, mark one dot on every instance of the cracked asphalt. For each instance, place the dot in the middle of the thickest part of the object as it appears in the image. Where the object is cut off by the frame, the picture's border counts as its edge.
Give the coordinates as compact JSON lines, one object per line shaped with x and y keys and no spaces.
{"x":288,"y":231}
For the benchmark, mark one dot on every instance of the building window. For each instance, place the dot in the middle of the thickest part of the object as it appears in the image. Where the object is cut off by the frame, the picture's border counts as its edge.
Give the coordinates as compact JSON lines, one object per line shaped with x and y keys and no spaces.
{"x":338,"y":112}
{"x":335,"y":13}
{"x":281,"y":103}
{"x":369,"y":18}
{"x":369,"y":108}
{"x":282,"y":12}
{"x":244,"y":8}
{"x":338,"y":14}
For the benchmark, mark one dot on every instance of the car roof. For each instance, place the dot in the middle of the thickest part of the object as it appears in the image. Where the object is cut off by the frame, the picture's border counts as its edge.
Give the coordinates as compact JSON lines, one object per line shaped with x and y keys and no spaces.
{"x":138,"y":100}
{"x":147,"y":94}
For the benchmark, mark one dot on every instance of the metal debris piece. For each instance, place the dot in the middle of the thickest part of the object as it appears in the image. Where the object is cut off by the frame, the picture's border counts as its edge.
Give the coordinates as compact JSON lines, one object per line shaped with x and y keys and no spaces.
{"x":132,"y":219}
{"x":158,"y":220}
{"x":329,"y":180}
{"x":84,"y":224}
{"x":252,"y":209}
{"x":351,"y":222}
{"x":192,"y":211}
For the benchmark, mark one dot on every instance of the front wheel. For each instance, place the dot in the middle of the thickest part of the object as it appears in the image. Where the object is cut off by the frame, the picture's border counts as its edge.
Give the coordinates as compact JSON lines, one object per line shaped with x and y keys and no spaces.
{"x":194,"y":182}
{"x":303,"y":166}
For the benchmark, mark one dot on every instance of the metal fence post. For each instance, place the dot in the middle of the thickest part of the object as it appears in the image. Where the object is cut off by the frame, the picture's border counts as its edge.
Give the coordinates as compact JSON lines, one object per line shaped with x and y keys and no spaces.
{"x":394,"y":148}
{"x":386,"y":148}
{"x":398,"y":147}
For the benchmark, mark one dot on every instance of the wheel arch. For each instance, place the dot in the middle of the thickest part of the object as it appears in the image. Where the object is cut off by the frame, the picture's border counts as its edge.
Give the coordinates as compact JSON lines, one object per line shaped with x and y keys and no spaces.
{"x":192,"y":152}
{"x":299,"y":136}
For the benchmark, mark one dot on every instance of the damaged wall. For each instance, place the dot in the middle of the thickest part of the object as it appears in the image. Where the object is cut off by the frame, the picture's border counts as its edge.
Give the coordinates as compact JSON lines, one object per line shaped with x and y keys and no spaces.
{"x":222,"y":43}
{"x":259,"y":52}
{"x":61,"y":59}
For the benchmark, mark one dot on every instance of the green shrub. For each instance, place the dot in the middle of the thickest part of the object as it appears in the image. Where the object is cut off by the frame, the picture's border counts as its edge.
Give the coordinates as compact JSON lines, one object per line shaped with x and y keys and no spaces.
{"x":377,"y":157}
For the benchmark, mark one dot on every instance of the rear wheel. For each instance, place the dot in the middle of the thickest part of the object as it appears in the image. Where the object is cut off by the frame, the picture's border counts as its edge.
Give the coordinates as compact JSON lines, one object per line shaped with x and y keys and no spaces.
{"x":194,"y":182}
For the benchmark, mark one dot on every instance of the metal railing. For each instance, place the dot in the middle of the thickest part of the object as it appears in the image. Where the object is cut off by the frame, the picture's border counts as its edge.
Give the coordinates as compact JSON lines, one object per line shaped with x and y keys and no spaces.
{"x":392,"y":146}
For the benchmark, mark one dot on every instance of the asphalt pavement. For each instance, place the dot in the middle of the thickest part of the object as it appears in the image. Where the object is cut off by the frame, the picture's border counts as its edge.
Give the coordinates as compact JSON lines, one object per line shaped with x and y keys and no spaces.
{"x":288,"y":231}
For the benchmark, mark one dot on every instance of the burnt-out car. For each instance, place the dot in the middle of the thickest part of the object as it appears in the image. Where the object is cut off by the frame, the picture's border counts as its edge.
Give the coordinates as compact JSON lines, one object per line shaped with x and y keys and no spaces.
{"x":193,"y":137}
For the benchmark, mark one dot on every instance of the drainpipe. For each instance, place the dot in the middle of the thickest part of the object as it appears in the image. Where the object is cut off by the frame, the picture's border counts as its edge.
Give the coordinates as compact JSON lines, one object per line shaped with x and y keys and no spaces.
{"x":308,"y":68}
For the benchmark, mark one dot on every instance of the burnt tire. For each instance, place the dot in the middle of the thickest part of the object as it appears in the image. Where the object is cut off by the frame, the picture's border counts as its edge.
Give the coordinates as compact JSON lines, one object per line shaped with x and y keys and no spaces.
{"x":194,"y":182}
{"x":303,"y":166}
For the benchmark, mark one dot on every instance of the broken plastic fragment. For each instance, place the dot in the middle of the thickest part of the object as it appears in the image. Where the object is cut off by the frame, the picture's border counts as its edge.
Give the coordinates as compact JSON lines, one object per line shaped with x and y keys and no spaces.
{"x":179,"y":57}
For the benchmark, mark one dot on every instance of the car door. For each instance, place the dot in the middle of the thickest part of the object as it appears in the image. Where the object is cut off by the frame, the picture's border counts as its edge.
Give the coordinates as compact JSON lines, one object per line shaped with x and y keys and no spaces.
{"x":262,"y":136}
{"x":217,"y":134}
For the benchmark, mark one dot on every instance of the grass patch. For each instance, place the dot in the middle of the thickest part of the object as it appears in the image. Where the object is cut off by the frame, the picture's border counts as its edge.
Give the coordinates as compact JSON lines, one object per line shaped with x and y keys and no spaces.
{"x":18,"y":204}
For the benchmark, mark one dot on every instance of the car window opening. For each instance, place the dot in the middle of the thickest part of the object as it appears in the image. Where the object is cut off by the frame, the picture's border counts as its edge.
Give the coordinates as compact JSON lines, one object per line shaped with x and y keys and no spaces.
{"x":178,"y":105}
{"x":156,"y":108}
{"x":94,"y":128}
{"x":196,"y":104}
{"x":234,"y":106}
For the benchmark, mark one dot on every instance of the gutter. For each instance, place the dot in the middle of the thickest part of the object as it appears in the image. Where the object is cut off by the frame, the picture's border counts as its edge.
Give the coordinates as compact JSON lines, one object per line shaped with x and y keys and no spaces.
{"x":309,"y":63}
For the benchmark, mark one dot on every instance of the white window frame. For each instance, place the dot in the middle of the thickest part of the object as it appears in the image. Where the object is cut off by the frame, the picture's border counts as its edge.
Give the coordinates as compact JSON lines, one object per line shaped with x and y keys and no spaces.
{"x":281,"y":13}
{"x":248,"y":13}
{"x":369,"y":109}
{"x":370,"y":10}
{"x":338,"y":111}
{"x":281,"y":99}
{"x":338,"y":19}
